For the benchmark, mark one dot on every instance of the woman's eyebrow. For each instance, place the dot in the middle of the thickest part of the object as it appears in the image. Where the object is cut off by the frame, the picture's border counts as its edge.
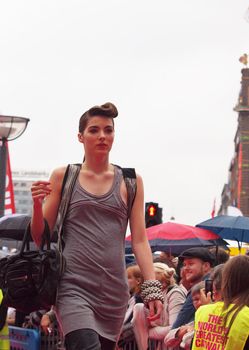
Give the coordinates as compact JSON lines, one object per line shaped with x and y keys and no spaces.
{"x":93,"y":126}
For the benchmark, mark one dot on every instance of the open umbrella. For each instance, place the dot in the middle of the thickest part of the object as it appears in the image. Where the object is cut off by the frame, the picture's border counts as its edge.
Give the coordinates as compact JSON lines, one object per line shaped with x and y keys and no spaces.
{"x":175,"y":238}
{"x":229,"y":227}
{"x":13,"y":226}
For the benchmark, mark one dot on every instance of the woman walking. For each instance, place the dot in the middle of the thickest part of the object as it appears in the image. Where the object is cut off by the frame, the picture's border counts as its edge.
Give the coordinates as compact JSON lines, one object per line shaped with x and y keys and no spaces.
{"x":93,"y":292}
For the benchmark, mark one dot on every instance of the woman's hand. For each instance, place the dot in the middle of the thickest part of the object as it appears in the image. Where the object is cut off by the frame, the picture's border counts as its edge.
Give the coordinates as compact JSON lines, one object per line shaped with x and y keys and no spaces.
{"x":182,"y":331}
{"x":39,"y":190}
{"x":155,"y":309}
{"x":46,"y":324}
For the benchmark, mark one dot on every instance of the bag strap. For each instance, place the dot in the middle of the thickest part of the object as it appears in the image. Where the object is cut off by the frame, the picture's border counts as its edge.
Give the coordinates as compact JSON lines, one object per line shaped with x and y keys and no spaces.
{"x":64,"y":179}
{"x":71,"y":174}
{"x":46,"y":238}
{"x":69,"y":179}
{"x":130,"y":179}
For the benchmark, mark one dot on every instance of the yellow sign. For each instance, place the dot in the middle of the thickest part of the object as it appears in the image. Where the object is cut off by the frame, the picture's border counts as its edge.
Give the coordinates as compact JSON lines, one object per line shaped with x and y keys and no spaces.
{"x":235,"y":251}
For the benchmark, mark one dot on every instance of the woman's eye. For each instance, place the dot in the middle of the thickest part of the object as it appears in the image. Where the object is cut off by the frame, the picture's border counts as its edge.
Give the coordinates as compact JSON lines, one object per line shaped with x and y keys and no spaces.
{"x":93,"y":131}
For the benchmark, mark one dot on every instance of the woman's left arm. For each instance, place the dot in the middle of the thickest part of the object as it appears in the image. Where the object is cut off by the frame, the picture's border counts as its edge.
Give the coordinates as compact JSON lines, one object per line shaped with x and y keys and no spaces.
{"x":140,"y":245}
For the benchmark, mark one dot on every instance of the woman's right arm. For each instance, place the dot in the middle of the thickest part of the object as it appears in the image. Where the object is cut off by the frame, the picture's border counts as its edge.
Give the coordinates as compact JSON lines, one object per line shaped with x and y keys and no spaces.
{"x":46,"y":200}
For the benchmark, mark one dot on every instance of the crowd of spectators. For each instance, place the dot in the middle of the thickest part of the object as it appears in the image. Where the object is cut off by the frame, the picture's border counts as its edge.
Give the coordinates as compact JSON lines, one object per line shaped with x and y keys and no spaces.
{"x":200,"y":318}
{"x":193,"y":317}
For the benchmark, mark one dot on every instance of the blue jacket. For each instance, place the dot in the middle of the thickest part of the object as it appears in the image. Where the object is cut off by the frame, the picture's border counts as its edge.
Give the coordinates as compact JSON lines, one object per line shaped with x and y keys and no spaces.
{"x":187,"y":312}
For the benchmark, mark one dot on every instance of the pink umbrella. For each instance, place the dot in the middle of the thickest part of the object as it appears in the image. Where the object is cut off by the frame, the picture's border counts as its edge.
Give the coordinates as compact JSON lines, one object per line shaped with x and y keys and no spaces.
{"x":175,"y":238}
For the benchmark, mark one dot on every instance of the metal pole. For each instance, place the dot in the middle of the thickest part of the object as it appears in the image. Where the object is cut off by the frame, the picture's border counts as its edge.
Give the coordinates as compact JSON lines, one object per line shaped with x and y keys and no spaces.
{"x":3,"y":166}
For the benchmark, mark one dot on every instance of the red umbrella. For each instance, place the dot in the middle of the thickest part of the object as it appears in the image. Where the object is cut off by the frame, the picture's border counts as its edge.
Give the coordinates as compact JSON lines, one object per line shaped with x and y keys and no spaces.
{"x":174,"y":238}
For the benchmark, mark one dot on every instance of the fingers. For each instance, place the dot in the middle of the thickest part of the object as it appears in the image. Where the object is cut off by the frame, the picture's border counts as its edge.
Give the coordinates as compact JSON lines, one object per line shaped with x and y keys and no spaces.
{"x":46,"y":324}
{"x":203,"y":297}
{"x":181,"y":331}
{"x":209,"y":297}
{"x":190,"y":328}
{"x":155,"y":308}
{"x":39,"y":186}
{"x":39,"y":190}
{"x":46,"y":330}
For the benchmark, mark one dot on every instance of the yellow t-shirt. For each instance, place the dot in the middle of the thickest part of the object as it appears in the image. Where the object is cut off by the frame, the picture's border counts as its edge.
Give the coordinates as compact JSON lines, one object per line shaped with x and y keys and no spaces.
{"x":212,"y":334}
{"x":4,"y":333}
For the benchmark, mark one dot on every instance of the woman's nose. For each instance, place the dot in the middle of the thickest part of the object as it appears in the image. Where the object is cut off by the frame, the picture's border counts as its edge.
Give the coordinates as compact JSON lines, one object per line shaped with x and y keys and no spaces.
{"x":101,"y":134}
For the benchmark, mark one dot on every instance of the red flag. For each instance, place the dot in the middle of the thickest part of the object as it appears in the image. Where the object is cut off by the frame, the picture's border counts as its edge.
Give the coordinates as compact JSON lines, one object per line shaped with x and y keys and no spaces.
{"x":9,"y":192}
{"x":213,"y":210}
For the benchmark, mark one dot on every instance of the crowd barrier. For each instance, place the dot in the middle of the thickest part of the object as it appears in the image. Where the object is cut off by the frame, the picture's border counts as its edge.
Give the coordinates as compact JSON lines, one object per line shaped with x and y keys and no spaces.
{"x":52,"y":341}
{"x":32,"y":339}
{"x":131,"y":345}
{"x":24,"y":339}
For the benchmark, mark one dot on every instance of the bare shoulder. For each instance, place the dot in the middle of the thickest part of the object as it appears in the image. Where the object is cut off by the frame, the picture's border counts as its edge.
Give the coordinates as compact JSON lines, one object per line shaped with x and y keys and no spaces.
{"x":58,"y":173}
{"x":139,"y":180}
{"x":139,"y":177}
{"x":56,"y":177}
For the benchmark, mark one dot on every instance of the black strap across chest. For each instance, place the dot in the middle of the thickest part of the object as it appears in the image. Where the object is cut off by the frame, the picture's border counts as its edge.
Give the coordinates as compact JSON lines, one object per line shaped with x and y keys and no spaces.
{"x":129,"y":175}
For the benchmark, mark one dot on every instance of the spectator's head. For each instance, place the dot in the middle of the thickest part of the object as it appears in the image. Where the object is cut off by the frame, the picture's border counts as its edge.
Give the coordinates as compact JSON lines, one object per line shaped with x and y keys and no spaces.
{"x":235,"y":281}
{"x":196,"y":294}
{"x":216,"y":276}
{"x":167,"y":259}
{"x":197,"y":262}
{"x":164,"y":274}
{"x":220,"y":254}
{"x":134,"y":277}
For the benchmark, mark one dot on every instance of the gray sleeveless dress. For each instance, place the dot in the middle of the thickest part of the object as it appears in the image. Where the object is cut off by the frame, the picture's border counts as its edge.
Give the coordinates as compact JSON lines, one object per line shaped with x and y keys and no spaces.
{"x":93,"y":292}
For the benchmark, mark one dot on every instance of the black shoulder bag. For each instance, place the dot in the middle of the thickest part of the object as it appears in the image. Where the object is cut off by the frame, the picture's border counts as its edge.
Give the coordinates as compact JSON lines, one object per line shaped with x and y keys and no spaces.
{"x":30,"y":278}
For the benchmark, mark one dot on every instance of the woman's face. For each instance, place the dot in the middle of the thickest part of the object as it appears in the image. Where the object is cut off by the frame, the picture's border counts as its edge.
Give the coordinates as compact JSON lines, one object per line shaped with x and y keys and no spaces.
{"x":98,"y":135}
{"x":217,"y":296}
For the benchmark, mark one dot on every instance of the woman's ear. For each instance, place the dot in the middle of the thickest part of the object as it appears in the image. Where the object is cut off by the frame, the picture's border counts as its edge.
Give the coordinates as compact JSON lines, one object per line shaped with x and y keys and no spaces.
{"x":80,"y":137}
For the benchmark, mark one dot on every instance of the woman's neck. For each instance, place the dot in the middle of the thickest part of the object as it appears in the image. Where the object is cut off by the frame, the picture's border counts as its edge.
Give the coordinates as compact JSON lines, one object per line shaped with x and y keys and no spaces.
{"x":97,"y":165}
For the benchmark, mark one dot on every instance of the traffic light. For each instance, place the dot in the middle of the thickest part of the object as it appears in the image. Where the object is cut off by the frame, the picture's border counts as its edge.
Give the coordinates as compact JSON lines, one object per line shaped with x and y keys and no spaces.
{"x":153,"y":214}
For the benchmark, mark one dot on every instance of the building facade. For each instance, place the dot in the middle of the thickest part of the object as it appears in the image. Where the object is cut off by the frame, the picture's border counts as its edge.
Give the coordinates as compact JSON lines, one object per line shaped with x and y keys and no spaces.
{"x":22,"y":181}
{"x":236,"y":192}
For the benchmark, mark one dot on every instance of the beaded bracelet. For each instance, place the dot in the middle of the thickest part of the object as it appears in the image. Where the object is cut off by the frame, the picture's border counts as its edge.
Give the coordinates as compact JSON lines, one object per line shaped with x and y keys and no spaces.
{"x":153,"y":296}
{"x":151,"y":290}
{"x":151,"y":283}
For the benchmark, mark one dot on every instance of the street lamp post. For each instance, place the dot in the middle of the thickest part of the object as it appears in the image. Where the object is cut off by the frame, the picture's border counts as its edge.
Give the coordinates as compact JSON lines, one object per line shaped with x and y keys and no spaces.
{"x":10,"y":129}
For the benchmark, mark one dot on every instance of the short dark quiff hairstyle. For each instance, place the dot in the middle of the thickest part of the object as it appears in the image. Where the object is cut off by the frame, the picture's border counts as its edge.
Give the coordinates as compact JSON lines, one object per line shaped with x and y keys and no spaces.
{"x":108,"y":110}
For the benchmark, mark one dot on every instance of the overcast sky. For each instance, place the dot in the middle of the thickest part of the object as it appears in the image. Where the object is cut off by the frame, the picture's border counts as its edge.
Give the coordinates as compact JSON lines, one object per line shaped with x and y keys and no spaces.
{"x":171,"y":67}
